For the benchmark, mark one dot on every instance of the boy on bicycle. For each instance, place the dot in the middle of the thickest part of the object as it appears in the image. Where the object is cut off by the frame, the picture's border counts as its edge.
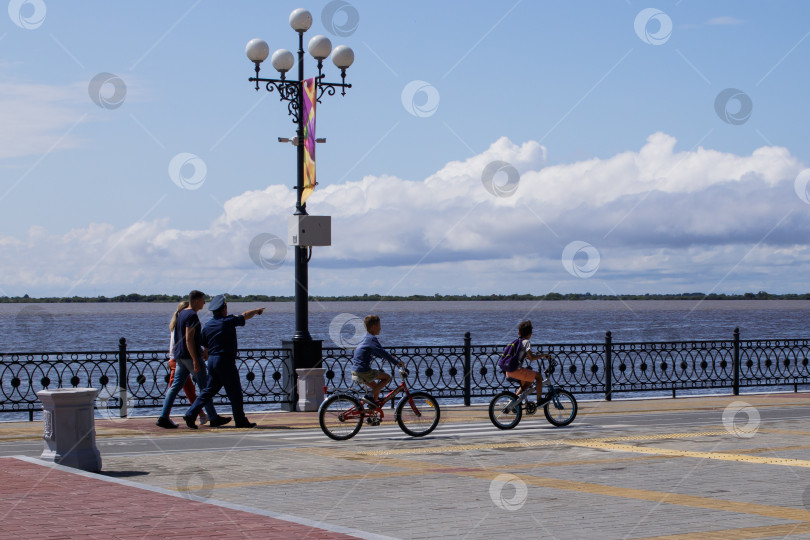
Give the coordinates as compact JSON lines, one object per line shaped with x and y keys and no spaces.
{"x":527,"y":376}
{"x":370,"y":347}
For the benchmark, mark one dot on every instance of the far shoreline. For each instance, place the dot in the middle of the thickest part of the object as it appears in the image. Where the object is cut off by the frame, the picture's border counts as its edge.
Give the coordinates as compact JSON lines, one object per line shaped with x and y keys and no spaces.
{"x":550,"y":297}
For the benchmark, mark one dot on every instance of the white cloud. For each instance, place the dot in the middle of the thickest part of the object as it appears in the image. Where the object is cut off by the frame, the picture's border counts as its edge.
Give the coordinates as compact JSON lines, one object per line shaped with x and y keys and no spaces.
{"x":662,"y":220}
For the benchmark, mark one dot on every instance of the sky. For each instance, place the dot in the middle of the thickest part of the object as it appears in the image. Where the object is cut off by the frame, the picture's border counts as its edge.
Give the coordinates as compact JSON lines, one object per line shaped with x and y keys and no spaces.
{"x":484,"y":147}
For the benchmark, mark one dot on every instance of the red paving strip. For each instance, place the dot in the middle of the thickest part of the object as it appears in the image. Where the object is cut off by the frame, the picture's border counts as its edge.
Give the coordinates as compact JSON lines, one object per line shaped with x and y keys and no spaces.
{"x":40,"y":502}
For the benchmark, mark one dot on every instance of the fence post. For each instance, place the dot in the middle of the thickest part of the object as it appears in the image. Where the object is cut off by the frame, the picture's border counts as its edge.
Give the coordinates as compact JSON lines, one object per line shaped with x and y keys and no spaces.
{"x":289,"y":375}
{"x":467,"y":369}
{"x":123,"y":377}
{"x":735,"y":362}
{"x":608,"y":365}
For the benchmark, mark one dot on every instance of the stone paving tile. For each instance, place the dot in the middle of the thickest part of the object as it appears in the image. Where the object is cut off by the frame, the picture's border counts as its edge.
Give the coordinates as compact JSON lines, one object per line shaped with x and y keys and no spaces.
{"x":568,"y":491}
{"x":42,"y":502}
{"x":463,"y":507}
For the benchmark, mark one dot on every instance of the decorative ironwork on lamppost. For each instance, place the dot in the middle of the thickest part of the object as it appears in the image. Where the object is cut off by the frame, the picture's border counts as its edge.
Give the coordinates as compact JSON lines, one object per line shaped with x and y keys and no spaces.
{"x":292,"y":91}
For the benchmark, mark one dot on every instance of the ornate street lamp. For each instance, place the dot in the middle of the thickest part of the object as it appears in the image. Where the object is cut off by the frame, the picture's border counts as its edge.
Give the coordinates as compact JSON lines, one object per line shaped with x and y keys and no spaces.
{"x":306,"y":351}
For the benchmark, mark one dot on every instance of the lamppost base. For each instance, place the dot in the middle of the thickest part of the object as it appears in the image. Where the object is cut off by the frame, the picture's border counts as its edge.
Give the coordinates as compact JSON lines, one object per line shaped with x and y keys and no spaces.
{"x":304,"y":354}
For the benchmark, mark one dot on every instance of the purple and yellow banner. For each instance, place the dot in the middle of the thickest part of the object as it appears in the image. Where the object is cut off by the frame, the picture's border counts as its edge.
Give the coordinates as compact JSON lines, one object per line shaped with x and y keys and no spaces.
{"x":310,"y":99}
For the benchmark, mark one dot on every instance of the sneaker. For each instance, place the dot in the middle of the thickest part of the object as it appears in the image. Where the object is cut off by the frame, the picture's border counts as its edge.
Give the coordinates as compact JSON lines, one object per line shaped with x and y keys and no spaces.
{"x":544,"y":401}
{"x":190,"y":422}
{"x":370,"y":401}
{"x":165,"y":423}
{"x":219,"y":421}
{"x":245,"y":424}
{"x":203,"y":418}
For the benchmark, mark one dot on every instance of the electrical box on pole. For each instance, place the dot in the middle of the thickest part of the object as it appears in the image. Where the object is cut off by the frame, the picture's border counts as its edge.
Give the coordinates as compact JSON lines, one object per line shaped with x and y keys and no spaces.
{"x":305,"y":230}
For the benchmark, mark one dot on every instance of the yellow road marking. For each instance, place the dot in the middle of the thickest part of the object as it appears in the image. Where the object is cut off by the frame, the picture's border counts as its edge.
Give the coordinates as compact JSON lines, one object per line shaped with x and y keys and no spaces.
{"x":412,"y":467}
{"x":678,"y":499}
{"x":669,"y":452}
{"x":531,"y":444}
{"x":608,"y":443}
{"x":771,"y":449}
{"x":785,"y":431}
{"x":416,"y":468}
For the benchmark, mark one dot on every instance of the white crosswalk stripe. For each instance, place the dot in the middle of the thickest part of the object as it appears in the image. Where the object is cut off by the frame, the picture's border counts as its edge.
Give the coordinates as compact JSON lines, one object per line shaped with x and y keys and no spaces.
{"x":392,"y":430}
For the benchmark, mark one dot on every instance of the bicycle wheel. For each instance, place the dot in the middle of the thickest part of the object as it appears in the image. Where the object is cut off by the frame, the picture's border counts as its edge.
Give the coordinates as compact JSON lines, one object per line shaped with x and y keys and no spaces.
{"x":340,"y":417}
{"x":563,"y":414}
{"x":498,"y":414}
{"x":418,"y":415}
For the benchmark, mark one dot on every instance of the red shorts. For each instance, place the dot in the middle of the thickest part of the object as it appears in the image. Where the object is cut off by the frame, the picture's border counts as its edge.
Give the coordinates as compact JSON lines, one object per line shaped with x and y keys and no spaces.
{"x":523,"y":374}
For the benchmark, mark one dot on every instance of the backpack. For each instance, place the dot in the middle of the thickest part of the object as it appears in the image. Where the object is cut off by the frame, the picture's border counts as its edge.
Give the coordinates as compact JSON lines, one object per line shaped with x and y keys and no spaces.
{"x":511,"y":356}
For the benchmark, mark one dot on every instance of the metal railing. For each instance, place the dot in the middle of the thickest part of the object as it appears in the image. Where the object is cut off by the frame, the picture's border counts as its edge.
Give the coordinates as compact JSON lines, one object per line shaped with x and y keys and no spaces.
{"x":266,"y":374}
{"x":461,"y":371}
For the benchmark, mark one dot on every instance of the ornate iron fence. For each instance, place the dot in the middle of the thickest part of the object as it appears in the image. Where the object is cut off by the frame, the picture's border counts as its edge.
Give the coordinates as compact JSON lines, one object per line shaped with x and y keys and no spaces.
{"x":267,"y":377}
{"x":23,"y":374}
{"x":453,"y":371}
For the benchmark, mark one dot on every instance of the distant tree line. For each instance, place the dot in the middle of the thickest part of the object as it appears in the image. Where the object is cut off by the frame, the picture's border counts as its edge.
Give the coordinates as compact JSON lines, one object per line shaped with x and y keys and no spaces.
{"x":134,"y":297}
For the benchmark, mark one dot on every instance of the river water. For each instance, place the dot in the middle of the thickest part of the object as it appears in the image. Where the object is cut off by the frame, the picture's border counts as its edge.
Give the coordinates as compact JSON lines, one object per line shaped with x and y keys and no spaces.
{"x":98,"y":327}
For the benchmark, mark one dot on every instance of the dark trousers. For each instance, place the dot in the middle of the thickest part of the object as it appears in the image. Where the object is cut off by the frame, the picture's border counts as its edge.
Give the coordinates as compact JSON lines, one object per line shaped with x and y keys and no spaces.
{"x":222,"y":372}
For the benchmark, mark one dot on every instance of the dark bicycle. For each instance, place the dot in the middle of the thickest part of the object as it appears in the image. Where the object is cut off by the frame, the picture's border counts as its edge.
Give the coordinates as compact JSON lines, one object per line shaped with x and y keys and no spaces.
{"x":507,"y":408}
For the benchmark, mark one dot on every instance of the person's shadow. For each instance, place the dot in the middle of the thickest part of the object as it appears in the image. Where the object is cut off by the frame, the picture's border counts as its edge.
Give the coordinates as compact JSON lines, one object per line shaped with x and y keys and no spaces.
{"x":123,"y":474}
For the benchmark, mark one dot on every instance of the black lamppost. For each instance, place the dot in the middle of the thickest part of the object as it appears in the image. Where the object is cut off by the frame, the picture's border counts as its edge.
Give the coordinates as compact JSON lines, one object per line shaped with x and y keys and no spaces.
{"x":306,"y":352}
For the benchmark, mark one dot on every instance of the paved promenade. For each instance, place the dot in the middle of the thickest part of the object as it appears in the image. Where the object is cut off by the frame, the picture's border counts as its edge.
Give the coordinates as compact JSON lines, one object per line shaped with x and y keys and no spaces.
{"x":720,"y":467}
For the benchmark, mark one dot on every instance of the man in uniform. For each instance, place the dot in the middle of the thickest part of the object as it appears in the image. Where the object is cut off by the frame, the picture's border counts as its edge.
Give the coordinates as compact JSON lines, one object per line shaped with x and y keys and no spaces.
{"x":219,"y":339}
{"x":189,"y":356}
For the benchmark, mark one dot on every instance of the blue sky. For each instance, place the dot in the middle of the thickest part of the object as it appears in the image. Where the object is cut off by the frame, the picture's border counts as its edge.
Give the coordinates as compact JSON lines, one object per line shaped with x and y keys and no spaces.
{"x":625,"y":176}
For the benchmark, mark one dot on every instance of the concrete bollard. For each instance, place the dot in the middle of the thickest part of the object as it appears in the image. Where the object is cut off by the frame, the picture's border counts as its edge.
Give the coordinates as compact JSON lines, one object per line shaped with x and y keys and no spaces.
{"x":69,"y":428}
{"x":310,"y":388}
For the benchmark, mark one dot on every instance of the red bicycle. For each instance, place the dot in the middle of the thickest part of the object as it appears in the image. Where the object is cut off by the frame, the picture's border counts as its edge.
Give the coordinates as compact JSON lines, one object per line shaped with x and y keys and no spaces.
{"x":342,"y":414}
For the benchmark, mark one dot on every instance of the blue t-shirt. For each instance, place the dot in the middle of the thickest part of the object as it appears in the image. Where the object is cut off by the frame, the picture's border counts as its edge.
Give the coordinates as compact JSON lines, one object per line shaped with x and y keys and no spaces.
{"x":219,"y":335}
{"x":186,"y":319}
{"x":370,"y":347}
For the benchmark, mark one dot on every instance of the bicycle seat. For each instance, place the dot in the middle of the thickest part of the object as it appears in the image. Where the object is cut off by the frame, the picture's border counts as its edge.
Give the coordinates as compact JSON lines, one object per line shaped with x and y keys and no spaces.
{"x":512,"y":380}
